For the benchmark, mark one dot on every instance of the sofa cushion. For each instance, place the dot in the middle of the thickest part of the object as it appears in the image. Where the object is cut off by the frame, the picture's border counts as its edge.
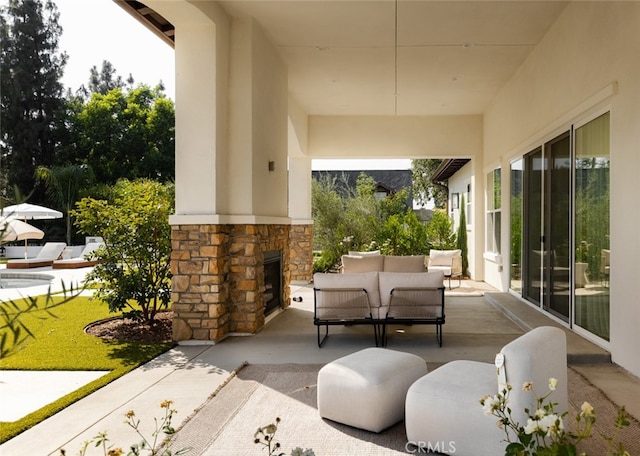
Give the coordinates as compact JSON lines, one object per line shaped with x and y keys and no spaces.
{"x":366,"y":280}
{"x":373,"y":252}
{"x":413,"y":263}
{"x":442,"y":257}
{"x":358,"y":264}
{"x":390,"y":280}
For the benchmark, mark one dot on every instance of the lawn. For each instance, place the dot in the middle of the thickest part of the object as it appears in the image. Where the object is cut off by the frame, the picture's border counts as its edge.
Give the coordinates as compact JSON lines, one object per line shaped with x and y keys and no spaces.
{"x":60,"y":343}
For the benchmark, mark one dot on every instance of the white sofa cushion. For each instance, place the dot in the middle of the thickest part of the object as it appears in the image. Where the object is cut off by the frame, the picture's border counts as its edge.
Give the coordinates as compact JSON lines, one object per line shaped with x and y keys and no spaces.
{"x":366,"y":280}
{"x":390,"y":280}
{"x":442,"y":257}
{"x":373,"y":252}
{"x":413,"y":263}
{"x":358,"y":264}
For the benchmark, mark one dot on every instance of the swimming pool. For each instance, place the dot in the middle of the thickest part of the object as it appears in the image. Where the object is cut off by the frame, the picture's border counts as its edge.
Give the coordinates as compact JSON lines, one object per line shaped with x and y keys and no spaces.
{"x":23,"y":280}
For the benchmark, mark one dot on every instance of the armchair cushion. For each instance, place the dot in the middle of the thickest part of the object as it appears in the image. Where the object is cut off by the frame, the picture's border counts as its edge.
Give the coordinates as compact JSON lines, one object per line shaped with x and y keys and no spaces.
{"x":442,"y":257}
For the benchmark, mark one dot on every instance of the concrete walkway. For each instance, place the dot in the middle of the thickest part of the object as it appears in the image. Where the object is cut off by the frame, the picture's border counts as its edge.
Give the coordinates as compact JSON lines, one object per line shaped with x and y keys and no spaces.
{"x":477,"y":327}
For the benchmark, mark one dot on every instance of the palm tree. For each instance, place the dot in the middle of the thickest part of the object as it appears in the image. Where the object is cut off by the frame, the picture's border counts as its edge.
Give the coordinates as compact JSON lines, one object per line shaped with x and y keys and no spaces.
{"x":64,"y":184}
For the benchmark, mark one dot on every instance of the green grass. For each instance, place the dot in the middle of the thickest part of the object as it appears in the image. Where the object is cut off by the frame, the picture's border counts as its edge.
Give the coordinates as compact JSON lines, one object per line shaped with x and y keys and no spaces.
{"x":60,"y":343}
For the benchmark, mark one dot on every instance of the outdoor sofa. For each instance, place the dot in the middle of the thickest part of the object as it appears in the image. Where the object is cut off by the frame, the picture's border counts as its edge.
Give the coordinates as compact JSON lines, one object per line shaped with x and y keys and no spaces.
{"x":379,"y":290}
{"x":50,"y":252}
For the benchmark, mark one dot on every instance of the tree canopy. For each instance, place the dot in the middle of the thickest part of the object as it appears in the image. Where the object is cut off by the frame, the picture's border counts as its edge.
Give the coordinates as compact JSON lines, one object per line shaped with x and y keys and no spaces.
{"x":424,"y":189}
{"x":31,"y":94}
{"x":124,"y":135}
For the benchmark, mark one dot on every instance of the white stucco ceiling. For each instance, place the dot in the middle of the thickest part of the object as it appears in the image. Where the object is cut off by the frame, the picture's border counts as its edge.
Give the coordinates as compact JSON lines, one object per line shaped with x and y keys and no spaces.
{"x":443,"y":58}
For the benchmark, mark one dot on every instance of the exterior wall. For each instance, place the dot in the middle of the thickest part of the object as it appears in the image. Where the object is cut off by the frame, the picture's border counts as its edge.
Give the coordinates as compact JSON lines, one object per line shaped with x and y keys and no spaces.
{"x":231,"y":206}
{"x":458,"y":183}
{"x":587,"y":60}
{"x":258,"y":130}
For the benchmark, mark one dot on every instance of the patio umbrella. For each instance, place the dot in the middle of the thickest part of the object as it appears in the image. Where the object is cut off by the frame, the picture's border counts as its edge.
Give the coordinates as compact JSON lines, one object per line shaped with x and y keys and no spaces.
{"x":26,"y":211}
{"x":12,"y":229}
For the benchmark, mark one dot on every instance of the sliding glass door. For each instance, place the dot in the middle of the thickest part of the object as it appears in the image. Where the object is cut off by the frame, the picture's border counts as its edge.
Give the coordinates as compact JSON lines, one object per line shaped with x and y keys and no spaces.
{"x":547,"y":204}
{"x":560,"y":237}
{"x":533,"y":234}
{"x":592,"y":254}
{"x":557,"y":226}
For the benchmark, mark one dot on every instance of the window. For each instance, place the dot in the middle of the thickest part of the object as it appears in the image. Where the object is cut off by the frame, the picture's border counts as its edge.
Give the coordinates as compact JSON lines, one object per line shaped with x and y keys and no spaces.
{"x":494,"y":197}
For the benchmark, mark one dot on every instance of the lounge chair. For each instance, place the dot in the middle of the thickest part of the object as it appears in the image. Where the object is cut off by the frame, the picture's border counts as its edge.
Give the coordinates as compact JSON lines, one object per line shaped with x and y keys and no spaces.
{"x":84,"y":260}
{"x":50,"y":252}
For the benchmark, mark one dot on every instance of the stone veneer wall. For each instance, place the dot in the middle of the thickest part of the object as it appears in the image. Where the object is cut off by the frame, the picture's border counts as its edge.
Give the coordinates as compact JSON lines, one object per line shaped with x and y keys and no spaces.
{"x":301,"y":253}
{"x":218,"y":278}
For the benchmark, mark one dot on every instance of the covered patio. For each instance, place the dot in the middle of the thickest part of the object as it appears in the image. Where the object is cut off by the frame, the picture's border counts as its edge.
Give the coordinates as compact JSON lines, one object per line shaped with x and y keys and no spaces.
{"x":263,"y":88}
{"x":190,"y":374}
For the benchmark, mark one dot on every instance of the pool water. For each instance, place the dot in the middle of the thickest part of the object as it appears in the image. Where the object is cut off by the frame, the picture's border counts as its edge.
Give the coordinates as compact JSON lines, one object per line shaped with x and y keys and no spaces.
{"x":8,"y":280}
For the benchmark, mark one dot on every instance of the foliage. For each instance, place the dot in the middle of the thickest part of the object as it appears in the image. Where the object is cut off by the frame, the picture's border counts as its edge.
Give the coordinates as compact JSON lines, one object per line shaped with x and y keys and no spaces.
{"x":440,"y":231}
{"x":516,"y":236}
{"x":123,"y":134}
{"x":592,"y":218}
{"x":30,"y":90}
{"x":105,"y":80}
{"x":545,"y":433}
{"x":355,"y":220}
{"x":265,"y":436}
{"x":134,"y":264}
{"x":424,"y":189}
{"x":461,"y":238}
{"x":147,"y":446}
{"x":65,"y":184}
{"x":403,"y":234}
{"x":59,"y":342}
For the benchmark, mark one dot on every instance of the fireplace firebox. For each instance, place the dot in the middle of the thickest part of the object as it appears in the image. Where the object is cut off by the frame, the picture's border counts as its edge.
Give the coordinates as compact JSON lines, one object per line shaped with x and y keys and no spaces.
{"x":272,"y":281}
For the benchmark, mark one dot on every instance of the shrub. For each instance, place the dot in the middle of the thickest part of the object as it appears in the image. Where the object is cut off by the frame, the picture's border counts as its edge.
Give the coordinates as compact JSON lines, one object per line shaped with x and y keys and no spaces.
{"x":135,"y":262}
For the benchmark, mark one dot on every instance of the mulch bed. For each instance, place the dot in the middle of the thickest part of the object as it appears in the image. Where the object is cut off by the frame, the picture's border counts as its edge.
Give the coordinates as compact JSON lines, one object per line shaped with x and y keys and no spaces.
{"x":124,"y":329}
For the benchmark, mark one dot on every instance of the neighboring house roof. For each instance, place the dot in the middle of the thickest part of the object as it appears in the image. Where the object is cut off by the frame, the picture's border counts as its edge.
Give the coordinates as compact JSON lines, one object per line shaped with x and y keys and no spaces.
{"x":389,"y":181}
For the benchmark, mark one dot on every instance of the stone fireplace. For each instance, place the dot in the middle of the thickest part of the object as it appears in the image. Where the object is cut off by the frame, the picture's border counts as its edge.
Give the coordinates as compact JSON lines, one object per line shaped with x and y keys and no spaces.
{"x":223,"y":277}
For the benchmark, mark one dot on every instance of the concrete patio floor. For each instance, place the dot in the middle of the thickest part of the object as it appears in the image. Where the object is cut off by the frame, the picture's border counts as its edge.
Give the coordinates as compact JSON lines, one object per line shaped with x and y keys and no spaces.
{"x":476,"y":328}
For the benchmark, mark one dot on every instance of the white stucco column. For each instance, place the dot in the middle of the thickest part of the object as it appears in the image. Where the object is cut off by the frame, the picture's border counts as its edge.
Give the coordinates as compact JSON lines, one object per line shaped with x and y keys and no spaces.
{"x":299,"y":165}
{"x":201,"y":48}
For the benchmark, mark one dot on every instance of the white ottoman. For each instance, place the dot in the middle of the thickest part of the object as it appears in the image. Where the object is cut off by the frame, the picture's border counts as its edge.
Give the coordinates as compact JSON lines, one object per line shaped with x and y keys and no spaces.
{"x":367,"y":389}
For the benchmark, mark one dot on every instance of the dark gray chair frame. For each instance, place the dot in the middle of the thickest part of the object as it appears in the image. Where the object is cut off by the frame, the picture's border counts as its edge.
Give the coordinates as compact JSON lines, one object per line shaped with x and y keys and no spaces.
{"x":415,"y":306}
{"x":352,"y":308}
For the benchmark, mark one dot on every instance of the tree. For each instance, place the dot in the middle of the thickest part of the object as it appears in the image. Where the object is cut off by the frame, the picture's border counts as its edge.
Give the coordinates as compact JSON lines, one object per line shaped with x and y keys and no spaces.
{"x":424,"y":189}
{"x":134,"y":269}
{"x":65,"y":184}
{"x":106,"y":79}
{"x":125,"y":135}
{"x":440,"y":231}
{"x":461,"y":238}
{"x":30,"y":89}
